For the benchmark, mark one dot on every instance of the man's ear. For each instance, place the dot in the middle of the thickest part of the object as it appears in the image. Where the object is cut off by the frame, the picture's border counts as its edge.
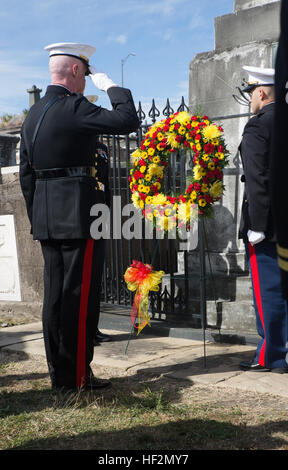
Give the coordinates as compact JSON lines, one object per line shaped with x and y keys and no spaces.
{"x":262,"y":94}
{"x":75,"y":70}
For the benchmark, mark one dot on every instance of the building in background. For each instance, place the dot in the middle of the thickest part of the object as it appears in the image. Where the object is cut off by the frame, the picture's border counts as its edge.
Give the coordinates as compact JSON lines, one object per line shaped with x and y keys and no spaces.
{"x":248,"y":36}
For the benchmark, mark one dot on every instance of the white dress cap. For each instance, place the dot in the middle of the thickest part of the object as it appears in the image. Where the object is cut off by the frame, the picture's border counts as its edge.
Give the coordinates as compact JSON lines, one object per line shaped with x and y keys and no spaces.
{"x":258,"y":76}
{"x":73,"y":49}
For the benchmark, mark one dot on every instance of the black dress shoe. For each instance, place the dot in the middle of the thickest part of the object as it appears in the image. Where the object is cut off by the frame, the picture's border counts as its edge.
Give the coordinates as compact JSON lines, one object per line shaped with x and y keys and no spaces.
{"x":252,"y":366}
{"x":101,"y":337}
{"x":96,"y":384}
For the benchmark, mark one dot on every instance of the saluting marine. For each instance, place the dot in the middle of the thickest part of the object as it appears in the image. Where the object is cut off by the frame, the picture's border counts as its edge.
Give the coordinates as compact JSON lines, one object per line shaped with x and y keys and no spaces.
{"x":63,"y":174}
{"x":257,"y":226}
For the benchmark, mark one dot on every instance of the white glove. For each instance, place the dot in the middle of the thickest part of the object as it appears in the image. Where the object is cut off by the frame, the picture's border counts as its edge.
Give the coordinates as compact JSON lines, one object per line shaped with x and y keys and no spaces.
{"x":100,"y":79}
{"x":255,"y":237}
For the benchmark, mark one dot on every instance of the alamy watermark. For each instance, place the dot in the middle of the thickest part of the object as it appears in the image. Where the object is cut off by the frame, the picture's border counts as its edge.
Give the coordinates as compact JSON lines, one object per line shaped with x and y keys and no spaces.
{"x":127,"y":223}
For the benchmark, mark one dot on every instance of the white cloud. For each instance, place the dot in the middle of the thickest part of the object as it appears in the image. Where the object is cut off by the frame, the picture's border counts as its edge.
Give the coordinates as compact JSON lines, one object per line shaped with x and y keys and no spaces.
{"x":120,"y":39}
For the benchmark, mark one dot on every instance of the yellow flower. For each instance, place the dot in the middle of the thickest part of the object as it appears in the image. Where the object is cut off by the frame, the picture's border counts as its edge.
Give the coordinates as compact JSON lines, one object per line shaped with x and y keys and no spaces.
{"x":131,"y":172}
{"x":167,"y":212}
{"x":144,"y":155}
{"x":166,"y":223}
{"x":211,"y":166}
{"x":211,"y":132}
{"x":204,"y":188}
{"x":196,"y":171}
{"x":159,"y":199}
{"x":142,"y":169}
{"x":148,"y":177}
{"x":202,"y":202}
{"x":205,"y":157}
{"x":193,"y":195}
{"x":198,"y":147}
{"x":195,"y":123}
{"x":181,"y":130}
{"x":171,"y":128}
{"x":186,"y":211}
{"x":172,"y":141}
{"x":183,"y":117}
{"x":156,"y":159}
{"x":149,"y":215}
{"x":160,"y":136}
{"x":136,"y":154}
{"x":141,"y":188}
{"x":148,"y":200}
{"x":135,"y":199}
{"x":151,"y":151}
{"x":199,"y":172}
{"x":221,"y":156}
{"x":156,"y":213}
{"x":158,"y":185}
{"x":215,"y":142}
{"x":216,"y":189}
{"x":146,"y":189}
{"x":141,"y":204}
{"x":155,"y":170}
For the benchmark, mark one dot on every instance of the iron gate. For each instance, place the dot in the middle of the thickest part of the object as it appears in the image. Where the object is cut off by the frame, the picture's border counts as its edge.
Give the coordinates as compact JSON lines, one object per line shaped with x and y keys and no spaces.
{"x":171,"y":301}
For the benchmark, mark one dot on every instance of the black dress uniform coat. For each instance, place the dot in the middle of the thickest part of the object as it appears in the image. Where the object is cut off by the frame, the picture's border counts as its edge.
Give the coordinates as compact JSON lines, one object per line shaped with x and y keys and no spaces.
{"x":68,"y":137}
{"x":62,"y":176}
{"x":255,"y":150}
{"x":279,"y":173}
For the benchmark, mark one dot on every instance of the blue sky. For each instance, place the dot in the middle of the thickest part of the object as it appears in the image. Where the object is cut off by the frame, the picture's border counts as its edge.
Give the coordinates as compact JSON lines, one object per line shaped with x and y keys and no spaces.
{"x":165,"y":35}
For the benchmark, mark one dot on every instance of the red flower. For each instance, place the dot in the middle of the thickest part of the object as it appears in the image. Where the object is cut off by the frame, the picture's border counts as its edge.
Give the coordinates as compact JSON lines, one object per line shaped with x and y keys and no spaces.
{"x":137,"y":175}
{"x":209,"y":148}
{"x":179,"y":138}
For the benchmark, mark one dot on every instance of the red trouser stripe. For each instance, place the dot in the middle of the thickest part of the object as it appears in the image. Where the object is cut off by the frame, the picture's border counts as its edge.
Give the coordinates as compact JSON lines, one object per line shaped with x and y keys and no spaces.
{"x":85,"y":288}
{"x":257,"y":293}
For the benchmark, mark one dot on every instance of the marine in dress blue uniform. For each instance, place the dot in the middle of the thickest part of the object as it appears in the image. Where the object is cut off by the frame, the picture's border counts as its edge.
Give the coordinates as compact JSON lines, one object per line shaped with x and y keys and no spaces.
{"x":257,"y":227}
{"x":63,"y":173}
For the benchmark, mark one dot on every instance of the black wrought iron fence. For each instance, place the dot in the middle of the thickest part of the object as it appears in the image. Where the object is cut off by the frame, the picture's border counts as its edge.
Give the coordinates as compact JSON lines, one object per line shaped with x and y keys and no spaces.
{"x":171,"y":300}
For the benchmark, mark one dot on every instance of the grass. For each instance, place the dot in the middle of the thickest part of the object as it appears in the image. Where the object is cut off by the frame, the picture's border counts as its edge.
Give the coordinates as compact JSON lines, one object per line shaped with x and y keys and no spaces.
{"x":140,"y":412}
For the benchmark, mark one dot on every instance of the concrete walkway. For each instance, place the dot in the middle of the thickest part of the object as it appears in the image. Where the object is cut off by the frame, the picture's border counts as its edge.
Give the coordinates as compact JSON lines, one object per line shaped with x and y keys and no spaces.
{"x":181,"y":358}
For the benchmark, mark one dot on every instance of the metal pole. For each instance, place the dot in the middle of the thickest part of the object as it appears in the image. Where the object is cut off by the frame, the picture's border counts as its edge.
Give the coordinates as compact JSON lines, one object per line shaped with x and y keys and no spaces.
{"x":203,"y":309}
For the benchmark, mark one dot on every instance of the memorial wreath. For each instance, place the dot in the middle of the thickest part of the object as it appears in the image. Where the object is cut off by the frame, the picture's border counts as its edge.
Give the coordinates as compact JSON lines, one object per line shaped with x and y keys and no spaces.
{"x":149,"y":162}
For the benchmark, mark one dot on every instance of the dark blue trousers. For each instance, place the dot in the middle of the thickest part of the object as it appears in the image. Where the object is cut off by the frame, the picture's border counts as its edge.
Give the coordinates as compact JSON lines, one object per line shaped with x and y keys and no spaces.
{"x":270,"y":307}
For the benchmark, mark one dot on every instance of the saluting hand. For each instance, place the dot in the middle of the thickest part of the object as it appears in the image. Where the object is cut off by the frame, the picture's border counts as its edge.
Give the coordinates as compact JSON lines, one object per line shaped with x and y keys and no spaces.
{"x":100,"y":79}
